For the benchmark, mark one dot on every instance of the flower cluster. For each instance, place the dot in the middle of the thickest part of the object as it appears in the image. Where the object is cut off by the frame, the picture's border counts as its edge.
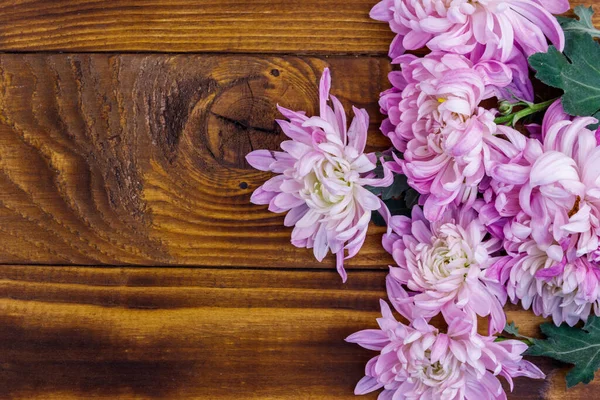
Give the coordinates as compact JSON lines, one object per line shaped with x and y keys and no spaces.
{"x":503,"y":213}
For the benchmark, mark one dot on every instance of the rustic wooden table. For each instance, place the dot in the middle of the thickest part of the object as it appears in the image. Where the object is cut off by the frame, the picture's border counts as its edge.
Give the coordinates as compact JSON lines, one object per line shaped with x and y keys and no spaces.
{"x":132,"y":263}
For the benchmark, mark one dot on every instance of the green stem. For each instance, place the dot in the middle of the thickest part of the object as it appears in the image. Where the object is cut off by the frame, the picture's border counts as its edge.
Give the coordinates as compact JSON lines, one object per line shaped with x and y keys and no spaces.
{"x":532,"y":109}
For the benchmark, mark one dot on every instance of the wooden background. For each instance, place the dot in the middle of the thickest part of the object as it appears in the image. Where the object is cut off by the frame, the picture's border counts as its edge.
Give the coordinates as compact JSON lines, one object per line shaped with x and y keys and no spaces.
{"x":132,"y":263}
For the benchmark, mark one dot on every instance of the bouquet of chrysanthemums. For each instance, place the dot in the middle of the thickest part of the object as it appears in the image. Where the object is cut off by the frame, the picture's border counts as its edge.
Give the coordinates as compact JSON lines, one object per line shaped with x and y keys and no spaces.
{"x":490,"y":192}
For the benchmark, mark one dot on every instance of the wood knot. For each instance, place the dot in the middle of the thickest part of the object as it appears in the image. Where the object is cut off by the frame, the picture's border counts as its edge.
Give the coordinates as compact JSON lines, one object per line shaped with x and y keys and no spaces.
{"x":171,"y":108}
{"x":242,"y":119}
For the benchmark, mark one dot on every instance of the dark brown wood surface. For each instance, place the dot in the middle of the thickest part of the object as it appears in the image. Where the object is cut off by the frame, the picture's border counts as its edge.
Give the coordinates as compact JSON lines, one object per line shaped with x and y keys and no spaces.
{"x":132,"y":265}
{"x":256,"y":26}
{"x":74,"y":332}
{"x":139,"y":159}
{"x":265,"y":26}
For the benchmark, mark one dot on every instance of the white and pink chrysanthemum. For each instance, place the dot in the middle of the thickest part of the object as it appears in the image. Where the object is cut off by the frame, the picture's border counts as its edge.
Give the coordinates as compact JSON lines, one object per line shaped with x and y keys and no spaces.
{"x":492,"y":27}
{"x":322,"y":173}
{"x":546,"y":196}
{"x":555,"y":182}
{"x":418,"y":361}
{"x":566,"y":291}
{"x":435,"y":120}
{"x":443,"y":264}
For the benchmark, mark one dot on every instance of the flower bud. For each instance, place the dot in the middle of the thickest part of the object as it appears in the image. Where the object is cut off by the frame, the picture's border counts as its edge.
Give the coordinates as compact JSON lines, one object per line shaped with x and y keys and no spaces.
{"x":505,"y":107}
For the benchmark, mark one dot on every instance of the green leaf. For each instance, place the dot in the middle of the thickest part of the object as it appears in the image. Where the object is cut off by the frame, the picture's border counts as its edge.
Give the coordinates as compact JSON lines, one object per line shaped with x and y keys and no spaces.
{"x":578,"y":75}
{"x":395,"y":206}
{"x":399,"y":186}
{"x":512,"y":329}
{"x":581,"y":78}
{"x":411,"y":197}
{"x":595,"y":126}
{"x":399,"y":197}
{"x":582,"y":25}
{"x":548,"y":66}
{"x":580,"y":347}
{"x":398,"y":206}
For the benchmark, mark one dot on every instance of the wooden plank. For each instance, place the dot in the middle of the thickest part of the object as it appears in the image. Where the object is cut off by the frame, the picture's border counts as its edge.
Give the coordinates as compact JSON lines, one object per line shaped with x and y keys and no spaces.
{"x":116,"y":159}
{"x":264,"y":26}
{"x":74,"y":333}
{"x":181,"y":333}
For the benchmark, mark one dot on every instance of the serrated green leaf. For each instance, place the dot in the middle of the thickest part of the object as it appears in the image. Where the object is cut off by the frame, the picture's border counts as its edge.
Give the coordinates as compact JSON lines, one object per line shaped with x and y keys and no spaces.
{"x":578,"y":75}
{"x":580,"y":347}
{"x":581,"y":78}
{"x":548,"y":66}
{"x":583,"y":25}
{"x":512,"y":329}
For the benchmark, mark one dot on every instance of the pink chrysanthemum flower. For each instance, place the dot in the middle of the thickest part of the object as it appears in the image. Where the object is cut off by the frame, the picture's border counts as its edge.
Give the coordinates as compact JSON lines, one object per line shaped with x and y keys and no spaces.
{"x":463,"y":26}
{"x":435,"y":120}
{"x":418,"y":362}
{"x":443,"y":263}
{"x":566,"y":291}
{"x":546,"y":200}
{"x":322,"y":173}
{"x":556,"y":183}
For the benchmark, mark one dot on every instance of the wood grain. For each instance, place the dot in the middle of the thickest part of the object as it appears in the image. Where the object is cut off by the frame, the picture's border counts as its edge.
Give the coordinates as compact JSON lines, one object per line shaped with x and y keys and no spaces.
{"x":112,"y":159}
{"x":139,"y":159}
{"x":263,"y":26}
{"x":75,"y":333}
